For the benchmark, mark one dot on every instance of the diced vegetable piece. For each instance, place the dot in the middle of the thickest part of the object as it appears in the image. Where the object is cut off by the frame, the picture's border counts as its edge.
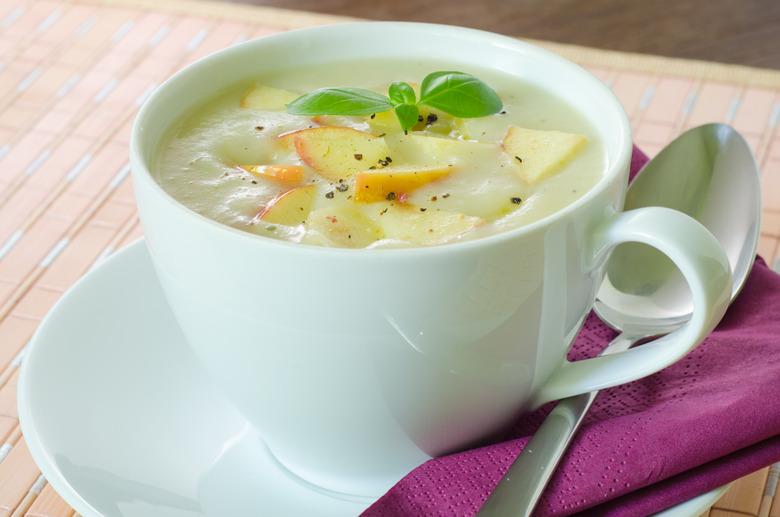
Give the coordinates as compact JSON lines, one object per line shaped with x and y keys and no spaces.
{"x":383,"y":122}
{"x":342,"y":225}
{"x":422,"y":227}
{"x":436,"y":150}
{"x":263,"y":97}
{"x":538,"y":153}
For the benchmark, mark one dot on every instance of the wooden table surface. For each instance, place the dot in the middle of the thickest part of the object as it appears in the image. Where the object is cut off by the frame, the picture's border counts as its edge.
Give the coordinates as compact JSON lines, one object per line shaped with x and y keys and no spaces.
{"x":744,"y":32}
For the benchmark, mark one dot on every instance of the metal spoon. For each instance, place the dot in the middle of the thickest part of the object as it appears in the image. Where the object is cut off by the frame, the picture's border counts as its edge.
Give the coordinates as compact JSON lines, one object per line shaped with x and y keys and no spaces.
{"x":709,"y":173}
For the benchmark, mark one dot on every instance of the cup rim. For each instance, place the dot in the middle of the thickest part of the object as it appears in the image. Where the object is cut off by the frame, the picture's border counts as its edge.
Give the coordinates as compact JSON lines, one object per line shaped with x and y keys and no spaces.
{"x":140,"y":168}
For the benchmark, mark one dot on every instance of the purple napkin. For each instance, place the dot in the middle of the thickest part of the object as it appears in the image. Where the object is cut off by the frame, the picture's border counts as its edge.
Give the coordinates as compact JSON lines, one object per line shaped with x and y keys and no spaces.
{"x":709,"y":419}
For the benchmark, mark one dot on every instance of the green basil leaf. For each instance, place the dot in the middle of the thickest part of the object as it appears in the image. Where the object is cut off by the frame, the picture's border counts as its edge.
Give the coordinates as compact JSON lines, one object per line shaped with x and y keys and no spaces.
{"x":459,"y":94}
{"x":401,"y":93}
{"x":339,"y":101}
{"x":408,"y":115}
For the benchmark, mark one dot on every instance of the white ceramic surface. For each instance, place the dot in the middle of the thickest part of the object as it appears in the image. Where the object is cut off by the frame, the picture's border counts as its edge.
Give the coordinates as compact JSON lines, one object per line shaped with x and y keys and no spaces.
{"x":123,"y":421}
{"x":358,"y":365}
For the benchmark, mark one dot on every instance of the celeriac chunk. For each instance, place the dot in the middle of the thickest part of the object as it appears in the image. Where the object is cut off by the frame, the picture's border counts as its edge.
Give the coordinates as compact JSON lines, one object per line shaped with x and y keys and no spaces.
{"x":538,"y":153}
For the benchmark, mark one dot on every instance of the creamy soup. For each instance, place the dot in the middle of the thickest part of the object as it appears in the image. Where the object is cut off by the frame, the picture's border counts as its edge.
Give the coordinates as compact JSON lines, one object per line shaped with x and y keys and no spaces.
{"x":360,"y":181}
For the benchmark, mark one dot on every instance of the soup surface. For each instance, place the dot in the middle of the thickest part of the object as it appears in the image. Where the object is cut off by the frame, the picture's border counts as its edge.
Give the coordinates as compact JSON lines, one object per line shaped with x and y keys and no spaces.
{"x":360,"y":181}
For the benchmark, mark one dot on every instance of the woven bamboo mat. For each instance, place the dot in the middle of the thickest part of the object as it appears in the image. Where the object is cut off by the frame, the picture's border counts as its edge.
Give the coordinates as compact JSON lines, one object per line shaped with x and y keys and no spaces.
{"x":73,"y":74}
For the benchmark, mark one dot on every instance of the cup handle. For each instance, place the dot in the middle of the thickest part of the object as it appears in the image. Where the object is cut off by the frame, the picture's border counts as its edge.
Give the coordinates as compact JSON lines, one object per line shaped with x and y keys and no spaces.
{"x":703,"y":263}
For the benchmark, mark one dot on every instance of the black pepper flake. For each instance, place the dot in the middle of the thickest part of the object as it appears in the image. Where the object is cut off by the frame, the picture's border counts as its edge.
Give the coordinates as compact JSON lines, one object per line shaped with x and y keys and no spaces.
{"x":388,"y":159}
{"x":342,"y":187}
{"x":373,"y":115}
{"x":358,"y":156}
{"x":254,"y":182}
{"x":445,"y":196}
{"x":329,"y":195}
{"x":259,"y":128}
{"x":503,"y":112}
{"x":434,"y":198}
{"x":423,"y":209}
{"x":519,"y":159}
{"x":516,"y":200}
{"x":390,"y":196}
{"x":383,"y":163}
{"x":432,"y":117}
{"x":420,"y":118}
{"x":383,"y":212}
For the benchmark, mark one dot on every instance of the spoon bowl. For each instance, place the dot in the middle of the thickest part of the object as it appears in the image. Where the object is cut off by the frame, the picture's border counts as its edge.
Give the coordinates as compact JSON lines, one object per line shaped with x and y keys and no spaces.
{"x":710,"y":174}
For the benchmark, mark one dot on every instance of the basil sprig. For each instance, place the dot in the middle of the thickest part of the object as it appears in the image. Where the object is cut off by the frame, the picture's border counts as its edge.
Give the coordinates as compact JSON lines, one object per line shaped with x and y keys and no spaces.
{"x":459,"y":94}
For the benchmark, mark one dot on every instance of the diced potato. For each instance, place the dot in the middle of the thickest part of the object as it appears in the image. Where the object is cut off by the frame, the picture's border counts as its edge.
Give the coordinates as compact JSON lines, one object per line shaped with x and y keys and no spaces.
{"x":538,"y":153}
{"x":290,"y":208}
{"x":263,"y":97}
{"x":429,"y":149}
{"x":434,"y":121}
{"x":421,"y":227}
{"x":394,"y":183}
{"x":342,"y":225}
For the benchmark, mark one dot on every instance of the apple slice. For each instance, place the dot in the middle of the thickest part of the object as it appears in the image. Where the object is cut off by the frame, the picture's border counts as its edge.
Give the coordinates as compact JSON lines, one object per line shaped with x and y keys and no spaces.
{"x":423,"y":227}
{"x":538,"y":153}
{"x":290,"y":208}
{"x":342,"y":225}
{"x":394,"y":183}
{"x":340,"y":152}
{"x":287,"y":140}
{"x":262,"y":97}
{"x":286,"y":173}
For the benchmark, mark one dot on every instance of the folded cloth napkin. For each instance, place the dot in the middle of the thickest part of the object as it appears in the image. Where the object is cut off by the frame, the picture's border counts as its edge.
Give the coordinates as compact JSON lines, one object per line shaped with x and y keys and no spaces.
{"x":709,"y":419}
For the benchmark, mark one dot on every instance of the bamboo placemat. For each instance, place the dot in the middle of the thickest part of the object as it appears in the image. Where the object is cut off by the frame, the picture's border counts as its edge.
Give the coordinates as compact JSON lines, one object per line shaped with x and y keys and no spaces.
{"x":72,"y":76}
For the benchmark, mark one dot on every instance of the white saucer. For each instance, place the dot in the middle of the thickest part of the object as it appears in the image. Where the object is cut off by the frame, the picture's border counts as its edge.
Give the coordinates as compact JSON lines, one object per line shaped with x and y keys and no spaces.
{"x":122,"y":421}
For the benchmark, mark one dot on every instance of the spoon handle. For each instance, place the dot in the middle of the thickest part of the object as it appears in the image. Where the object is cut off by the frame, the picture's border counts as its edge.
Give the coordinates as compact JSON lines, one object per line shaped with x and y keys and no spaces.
{"x":522,"y":485}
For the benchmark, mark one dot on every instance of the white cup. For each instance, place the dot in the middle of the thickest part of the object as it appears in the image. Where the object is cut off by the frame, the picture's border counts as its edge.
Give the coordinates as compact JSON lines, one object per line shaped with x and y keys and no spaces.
{"x":355,"y":365}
